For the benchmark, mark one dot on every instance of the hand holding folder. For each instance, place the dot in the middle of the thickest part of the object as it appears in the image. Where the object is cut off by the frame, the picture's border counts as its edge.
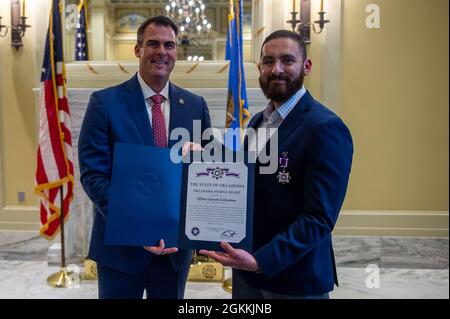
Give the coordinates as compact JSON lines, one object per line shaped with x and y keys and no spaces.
{"x":161,"y":250}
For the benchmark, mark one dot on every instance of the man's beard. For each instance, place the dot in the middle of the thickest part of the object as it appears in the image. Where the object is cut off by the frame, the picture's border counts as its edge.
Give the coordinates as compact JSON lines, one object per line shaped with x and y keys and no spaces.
{"x":281,"y":92}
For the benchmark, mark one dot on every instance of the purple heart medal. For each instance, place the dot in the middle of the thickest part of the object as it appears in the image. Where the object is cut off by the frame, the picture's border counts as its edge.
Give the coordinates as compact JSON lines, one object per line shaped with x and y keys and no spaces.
{"x":283,"y":176}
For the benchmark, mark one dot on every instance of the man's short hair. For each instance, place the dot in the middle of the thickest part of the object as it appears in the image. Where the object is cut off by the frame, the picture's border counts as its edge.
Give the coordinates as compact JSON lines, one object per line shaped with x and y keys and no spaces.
{"x":158,"y":20}
{"x":287,"y":34}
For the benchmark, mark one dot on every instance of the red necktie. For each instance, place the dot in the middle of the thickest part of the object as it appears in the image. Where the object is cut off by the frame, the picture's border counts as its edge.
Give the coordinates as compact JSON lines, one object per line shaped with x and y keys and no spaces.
{"x":158,"y":123}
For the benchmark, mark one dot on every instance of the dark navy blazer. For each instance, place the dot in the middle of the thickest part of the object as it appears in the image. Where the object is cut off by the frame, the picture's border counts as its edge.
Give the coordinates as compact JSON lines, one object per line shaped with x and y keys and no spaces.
{"x":293,"y":221}
{"x":119,"y":115}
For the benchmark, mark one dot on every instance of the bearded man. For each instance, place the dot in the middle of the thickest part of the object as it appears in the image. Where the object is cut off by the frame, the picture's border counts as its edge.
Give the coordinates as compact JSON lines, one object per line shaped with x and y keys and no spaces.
{"x":295,"y":208}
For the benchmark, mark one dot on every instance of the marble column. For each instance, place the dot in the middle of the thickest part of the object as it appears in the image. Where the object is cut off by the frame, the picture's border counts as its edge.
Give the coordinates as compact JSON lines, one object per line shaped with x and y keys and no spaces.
{"x":99,"y":36}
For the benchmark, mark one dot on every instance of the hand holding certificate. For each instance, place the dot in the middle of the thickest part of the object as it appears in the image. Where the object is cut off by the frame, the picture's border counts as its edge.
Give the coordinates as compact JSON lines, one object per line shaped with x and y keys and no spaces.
{"x":188,"y":205}
{"x":232,"y":257}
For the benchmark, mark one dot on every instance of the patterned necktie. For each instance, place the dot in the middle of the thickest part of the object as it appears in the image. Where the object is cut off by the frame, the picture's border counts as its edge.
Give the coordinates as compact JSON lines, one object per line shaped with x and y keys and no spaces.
{"x":158,"y":123}
{"x":271,"y":116}
{"x":273,"y":120}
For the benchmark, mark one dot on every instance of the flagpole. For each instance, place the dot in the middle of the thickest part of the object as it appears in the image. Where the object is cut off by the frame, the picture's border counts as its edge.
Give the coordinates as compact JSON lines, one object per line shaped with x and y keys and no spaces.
{"x":235,"y":39}
{"x":61,"y":278}
{"x":61,"y":218}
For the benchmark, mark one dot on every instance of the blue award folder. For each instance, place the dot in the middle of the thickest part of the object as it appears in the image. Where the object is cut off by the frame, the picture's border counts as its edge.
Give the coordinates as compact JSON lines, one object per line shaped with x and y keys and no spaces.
{"x":144,"y":201}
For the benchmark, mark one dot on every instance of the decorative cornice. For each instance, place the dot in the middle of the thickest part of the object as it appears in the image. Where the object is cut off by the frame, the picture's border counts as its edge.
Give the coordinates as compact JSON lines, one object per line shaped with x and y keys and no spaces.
{"x":207,"y":73}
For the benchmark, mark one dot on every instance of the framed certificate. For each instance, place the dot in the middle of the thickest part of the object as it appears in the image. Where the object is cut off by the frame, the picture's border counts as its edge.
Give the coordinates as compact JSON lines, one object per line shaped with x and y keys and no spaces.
{"x":217,"y":205}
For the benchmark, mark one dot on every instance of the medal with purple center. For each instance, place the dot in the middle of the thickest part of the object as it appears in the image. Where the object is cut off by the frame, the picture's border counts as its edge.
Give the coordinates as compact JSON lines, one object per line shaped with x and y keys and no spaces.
{"x":283,"y":176}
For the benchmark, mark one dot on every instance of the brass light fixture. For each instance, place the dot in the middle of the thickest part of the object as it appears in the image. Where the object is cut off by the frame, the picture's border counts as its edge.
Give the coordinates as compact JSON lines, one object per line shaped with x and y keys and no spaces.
{"x":303,"y":24}
{"x":18,"y":24}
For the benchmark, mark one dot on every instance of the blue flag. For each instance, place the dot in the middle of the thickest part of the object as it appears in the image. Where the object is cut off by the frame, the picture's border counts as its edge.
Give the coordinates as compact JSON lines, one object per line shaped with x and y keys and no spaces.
{"x":81,"y":43}
{"x":237,"y":103}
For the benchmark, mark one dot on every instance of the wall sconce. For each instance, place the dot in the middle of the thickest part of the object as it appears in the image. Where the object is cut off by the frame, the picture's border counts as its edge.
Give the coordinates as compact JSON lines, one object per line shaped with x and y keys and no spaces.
{"x":18,"y":24}
{"x":2,"y":26}
{"x":303,"y":25}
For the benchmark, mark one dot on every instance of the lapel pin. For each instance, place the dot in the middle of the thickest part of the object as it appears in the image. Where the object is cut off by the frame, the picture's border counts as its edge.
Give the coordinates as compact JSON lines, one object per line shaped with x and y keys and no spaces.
{"x":181,"y":101}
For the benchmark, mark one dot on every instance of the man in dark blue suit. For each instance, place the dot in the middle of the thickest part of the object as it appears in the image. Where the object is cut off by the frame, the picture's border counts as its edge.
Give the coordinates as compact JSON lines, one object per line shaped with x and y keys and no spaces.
{"x":295,"y":208}
{"x":143,"y":110}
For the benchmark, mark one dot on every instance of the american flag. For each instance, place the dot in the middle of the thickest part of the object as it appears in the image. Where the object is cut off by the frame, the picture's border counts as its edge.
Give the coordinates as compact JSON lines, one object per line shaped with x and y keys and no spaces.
{"x":54,"y":157}
{"x":81,"y":44}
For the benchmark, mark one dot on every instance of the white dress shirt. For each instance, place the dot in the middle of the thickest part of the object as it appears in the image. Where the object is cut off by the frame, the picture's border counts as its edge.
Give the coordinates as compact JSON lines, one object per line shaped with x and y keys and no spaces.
{"x":165,"y":105}
{"x":269,"y":115}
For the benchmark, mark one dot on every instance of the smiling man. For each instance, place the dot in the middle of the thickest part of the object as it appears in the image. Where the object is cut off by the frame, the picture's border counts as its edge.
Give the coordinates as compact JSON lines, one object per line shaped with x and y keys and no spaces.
{"x":143,"y":110}
{"x":295,"y":208}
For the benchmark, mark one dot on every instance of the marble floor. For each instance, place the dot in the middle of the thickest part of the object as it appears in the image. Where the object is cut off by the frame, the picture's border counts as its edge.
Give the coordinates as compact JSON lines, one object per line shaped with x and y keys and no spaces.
{"x":368,"y":268}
